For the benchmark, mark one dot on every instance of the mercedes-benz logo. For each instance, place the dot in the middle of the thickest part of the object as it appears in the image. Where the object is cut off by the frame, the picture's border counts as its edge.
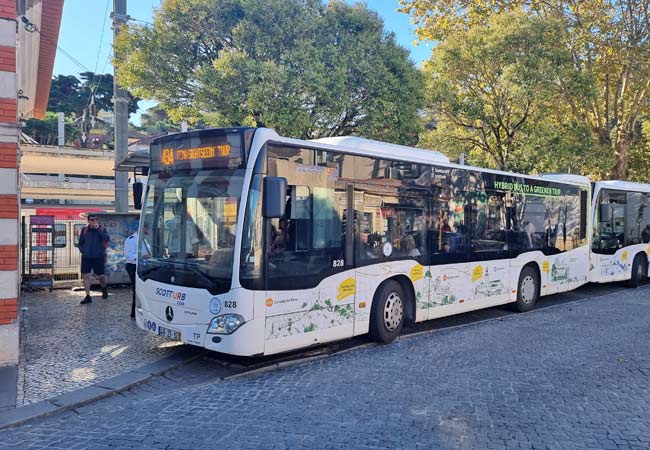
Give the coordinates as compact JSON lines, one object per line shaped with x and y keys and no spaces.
{"x":169,"y":313}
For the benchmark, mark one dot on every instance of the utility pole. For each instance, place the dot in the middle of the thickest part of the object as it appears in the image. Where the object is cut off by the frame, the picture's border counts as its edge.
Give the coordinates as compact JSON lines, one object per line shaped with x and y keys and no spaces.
{"x":120,"y":117}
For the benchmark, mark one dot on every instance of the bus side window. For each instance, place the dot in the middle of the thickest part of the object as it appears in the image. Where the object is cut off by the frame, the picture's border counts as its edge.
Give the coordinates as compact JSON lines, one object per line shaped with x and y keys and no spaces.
{"x":310,"y":239}
{"x":390,"y":204}
{"x":610,"y":232}
{"x":489,"y":236}
{"x":448,"y":233}
{"x":637,"y":215}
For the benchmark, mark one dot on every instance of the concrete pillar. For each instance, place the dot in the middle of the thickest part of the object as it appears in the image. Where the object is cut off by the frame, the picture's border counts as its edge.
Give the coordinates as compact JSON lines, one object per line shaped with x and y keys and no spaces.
{"x":9,"y":191}
{"x":61,"y":128}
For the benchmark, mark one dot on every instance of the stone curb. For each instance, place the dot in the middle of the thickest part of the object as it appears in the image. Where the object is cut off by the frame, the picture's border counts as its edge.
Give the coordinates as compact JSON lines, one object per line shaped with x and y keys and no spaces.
{"x":112,"y":386}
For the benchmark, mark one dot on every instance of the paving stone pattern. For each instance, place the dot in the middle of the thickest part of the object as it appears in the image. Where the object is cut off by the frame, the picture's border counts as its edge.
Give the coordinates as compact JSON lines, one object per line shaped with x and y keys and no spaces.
{"x":67,"y":346}
{"x":572,"y":376}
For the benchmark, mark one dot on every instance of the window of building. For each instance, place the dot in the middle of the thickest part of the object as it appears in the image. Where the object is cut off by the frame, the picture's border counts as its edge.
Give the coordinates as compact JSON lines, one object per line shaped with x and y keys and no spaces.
{"x":60,"y":235}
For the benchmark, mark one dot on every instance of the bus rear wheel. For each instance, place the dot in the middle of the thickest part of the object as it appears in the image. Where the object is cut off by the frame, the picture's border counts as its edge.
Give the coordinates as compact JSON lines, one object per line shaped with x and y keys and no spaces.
{"x":387,"y":313}
{"x":639,"y":271}
{"x":527,"y":290}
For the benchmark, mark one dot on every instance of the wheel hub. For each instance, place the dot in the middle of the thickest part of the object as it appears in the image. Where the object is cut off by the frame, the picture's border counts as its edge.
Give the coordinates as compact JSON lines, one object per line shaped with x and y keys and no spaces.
{"x":527,"y":289}
{"x":393,"y":311}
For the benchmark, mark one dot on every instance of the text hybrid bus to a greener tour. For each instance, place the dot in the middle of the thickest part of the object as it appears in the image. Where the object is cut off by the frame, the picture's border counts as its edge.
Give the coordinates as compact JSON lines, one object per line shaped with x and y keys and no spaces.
{"x":255,"y":244}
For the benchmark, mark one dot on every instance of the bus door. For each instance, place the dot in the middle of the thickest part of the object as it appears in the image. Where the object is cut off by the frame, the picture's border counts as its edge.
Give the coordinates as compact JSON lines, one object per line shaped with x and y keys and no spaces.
{"x":310,"y":278}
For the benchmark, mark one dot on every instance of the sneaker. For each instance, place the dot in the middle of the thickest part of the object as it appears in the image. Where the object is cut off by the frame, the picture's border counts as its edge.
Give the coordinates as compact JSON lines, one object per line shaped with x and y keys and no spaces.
{"x":104,"y":292}
{"x":86,"y":300}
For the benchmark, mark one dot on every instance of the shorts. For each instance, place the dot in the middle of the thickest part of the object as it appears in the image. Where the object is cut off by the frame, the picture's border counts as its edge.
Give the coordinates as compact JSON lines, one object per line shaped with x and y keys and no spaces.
{"x":96,"y":265}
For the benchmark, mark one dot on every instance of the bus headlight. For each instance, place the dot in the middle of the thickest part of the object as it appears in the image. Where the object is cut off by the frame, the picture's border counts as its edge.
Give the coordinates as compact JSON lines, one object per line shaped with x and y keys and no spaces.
{"x":225,"y":324}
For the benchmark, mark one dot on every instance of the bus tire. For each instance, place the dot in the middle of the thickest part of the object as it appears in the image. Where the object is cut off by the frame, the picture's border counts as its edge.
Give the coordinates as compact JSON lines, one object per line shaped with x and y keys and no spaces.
{"x":388,"y":312}
{"x":639,"y":271}
{"x":527,"y":289}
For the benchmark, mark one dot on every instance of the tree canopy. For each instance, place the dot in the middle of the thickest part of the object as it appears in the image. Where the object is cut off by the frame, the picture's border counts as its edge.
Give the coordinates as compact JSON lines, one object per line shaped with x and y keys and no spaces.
{"x":305,"y":68}
{"x":71,"y":95}
{"x":155,"y":120}
{"x":601,"y":62}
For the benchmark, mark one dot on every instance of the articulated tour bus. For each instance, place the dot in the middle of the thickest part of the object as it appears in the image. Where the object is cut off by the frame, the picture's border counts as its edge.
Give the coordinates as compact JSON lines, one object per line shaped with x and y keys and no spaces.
{"x":253,"y":243}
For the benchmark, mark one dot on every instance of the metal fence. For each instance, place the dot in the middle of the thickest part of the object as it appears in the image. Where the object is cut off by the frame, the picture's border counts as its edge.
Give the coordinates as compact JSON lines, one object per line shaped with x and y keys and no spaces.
{"x":67,"y":259}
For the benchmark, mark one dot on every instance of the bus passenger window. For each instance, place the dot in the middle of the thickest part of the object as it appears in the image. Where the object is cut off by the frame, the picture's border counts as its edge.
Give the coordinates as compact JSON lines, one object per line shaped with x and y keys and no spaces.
{"x":310,"y":239}
{"x":489,"y":226}
{"x":448,"y":233}
{"x":609,"y":233}
{"x":390,"y":213}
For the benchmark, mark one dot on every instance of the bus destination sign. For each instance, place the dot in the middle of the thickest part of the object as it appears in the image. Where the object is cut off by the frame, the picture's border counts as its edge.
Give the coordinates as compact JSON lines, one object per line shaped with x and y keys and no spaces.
{"x":170,"y":155}
{"x":209,"y":149}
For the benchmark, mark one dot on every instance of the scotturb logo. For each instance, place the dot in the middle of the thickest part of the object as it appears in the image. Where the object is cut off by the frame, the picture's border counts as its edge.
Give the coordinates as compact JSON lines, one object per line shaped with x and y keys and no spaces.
{"x":169,"y":313}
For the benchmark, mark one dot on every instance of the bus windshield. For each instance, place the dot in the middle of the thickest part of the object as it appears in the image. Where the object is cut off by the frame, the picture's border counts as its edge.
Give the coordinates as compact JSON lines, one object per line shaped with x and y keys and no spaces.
{"x":189,"y":226}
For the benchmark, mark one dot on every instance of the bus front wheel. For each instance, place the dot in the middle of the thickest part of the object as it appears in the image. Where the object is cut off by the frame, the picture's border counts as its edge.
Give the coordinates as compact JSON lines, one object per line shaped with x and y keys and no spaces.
{"x":527,"y":289}
{"x":387,"y":313}
{"x":639,"y":271}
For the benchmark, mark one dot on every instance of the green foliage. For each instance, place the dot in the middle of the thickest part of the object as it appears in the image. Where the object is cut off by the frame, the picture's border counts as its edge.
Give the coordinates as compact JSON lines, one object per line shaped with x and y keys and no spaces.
{"x":301,"y":67}
{"x":640,"y":154}
{"x":70,"y":95}
{"x":592,"y":107}
{"x":486,"y":88}
{"x":155,"y":120}
{"x":46,"y":131}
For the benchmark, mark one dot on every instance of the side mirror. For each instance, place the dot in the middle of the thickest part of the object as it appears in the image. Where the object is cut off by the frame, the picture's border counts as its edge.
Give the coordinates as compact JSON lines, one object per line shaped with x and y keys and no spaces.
{"x":137,"y":195}
{"x":275,"y":197}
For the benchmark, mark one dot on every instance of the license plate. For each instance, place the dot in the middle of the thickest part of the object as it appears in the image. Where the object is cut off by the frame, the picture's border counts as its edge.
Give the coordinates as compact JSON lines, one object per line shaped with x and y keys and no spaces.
{"x":169,"y":334}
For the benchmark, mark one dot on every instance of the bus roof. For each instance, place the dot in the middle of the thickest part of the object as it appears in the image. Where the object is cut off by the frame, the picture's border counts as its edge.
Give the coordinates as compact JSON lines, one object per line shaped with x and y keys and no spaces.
{"x":623,"y":185}
{"x":570,"y":177}
{"x":369,"y":147}
{"x":378,"y":147}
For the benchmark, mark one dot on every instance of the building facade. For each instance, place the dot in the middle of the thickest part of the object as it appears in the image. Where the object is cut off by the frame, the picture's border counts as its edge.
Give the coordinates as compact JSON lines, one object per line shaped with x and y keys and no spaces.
{"x":29,"y":31}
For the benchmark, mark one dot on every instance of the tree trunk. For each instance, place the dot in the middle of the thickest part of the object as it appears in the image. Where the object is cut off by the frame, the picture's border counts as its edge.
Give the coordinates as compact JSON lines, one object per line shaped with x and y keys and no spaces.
{"x":621,"y":147}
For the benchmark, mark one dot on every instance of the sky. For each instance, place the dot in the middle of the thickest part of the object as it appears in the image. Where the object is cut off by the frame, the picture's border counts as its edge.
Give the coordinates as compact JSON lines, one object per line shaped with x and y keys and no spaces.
{"x":86,"y":34}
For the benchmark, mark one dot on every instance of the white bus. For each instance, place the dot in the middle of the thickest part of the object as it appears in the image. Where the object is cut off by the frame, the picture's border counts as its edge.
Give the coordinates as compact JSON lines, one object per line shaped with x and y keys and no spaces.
{"x":621,"y":233}
{"x":255,"y":244}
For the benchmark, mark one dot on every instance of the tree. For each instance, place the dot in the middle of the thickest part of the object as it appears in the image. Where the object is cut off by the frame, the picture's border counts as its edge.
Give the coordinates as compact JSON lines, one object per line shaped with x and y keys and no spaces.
{"x":304,"y":68}
{"x":70,"y":95}
{"x":488,"y":90}
{"x":605,"y":82}
{"x":46,"y":131}
{"x":155,"y":120}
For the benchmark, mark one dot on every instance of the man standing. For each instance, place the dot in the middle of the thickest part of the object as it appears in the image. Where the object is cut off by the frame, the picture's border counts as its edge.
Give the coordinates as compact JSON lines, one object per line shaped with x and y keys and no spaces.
{"x":131,"y":255}
{"x":92,"y":245}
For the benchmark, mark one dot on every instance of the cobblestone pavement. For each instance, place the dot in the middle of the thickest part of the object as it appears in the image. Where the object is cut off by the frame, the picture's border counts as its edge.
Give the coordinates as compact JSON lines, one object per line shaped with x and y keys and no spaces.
{"x":571,"y":376}
{"x":67,"y":346}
